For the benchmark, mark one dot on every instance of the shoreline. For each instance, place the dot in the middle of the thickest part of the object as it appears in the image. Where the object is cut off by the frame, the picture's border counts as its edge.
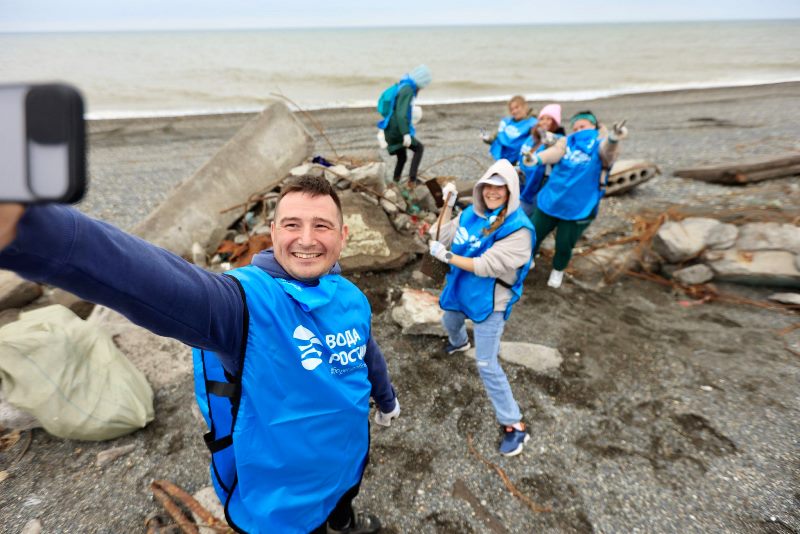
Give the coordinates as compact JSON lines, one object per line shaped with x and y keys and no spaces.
{"x":134,"y":163}
{"x":577,"y":96}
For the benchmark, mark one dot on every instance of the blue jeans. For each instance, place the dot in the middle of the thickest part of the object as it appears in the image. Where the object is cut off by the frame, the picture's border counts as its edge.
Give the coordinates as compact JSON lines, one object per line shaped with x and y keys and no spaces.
{"x":487,"y":346}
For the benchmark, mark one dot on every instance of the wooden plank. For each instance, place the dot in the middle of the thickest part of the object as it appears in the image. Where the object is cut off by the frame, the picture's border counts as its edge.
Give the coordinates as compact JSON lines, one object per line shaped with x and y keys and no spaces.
{"x":726,"y":173}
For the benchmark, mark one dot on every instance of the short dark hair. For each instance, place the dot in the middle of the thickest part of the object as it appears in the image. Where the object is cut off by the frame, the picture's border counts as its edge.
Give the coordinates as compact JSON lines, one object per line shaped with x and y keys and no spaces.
{"x":314,"y":186}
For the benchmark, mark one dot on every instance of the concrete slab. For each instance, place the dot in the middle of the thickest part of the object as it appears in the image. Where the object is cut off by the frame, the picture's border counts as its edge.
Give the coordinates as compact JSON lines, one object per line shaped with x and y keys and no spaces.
{"x":256,"y":159}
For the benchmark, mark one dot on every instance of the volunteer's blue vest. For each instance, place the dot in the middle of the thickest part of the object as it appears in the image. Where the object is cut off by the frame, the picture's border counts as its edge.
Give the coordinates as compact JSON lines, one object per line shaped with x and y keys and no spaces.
{"x":291,"y":436}
{"x":510,"y":136}
{"x":534,"y":174}
{"x":573,"y":190}
{"x":465,"y":291}
{"x":384,"y":122}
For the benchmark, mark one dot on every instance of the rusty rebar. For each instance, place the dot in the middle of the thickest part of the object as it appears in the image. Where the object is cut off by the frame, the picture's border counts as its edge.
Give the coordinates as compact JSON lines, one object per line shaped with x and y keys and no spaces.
{"x":507,"y":481}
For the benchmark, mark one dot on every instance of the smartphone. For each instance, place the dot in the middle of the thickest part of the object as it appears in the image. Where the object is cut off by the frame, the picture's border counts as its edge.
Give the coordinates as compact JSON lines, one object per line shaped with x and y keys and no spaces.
{"x":42,"y":143}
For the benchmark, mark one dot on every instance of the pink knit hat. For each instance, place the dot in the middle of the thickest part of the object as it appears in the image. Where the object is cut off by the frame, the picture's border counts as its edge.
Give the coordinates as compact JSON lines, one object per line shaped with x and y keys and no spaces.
{"x":554,"y":111}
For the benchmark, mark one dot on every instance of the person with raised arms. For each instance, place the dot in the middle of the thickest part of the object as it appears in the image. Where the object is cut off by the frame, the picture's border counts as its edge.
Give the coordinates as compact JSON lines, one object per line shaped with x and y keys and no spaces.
{"x":285,"y":360}
{"x":569,"y":201}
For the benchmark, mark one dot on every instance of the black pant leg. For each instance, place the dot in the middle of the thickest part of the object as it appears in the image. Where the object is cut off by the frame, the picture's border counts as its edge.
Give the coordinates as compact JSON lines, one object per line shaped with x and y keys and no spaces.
{"x":418,"y":149}
{"x":401,"y":162}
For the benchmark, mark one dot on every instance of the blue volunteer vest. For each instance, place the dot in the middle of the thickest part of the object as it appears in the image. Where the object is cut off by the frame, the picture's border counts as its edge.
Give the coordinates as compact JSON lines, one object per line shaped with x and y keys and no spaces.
{"x":384,"y":122}
{"x":573,"y":190}
{"x":534,"y":174}
{"x":465,"y":291}
{"x":292,"y":435}
{"x":510,"y":136}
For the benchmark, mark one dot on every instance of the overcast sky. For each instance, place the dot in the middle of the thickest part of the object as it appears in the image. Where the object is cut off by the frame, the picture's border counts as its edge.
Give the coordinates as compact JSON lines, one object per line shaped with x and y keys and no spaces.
{"x":105,"y":15}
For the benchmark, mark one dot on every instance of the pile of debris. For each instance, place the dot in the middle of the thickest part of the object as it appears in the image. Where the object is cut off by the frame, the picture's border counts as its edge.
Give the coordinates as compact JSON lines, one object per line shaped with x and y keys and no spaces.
{"x":387,"y":222}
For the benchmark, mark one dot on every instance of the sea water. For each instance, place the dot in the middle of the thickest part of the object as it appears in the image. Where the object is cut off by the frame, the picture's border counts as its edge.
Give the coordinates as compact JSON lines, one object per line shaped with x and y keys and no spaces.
{"x":186,"y":72}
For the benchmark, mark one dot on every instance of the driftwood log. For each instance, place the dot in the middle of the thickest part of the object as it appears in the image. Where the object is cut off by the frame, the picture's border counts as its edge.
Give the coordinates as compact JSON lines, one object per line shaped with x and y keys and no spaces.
{"x":745,"y":172}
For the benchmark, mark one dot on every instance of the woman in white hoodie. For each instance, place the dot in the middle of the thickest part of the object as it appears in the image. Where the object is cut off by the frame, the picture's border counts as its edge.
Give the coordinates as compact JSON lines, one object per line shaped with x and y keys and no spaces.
{"x":490,"y":246}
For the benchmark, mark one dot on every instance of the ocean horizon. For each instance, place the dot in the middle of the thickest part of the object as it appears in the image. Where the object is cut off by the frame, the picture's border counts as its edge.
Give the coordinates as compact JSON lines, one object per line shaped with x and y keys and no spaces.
{"x":167,"y":73}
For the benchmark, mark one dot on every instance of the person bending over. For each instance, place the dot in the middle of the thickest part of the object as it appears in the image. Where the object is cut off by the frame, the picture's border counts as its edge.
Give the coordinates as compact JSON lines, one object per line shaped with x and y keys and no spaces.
{"x":511,"y":131}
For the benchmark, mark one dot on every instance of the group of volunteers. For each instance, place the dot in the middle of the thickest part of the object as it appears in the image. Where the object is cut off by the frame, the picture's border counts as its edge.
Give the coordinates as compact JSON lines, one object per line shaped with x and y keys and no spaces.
{"x":285,"y":359}
{"x":490,"y":245}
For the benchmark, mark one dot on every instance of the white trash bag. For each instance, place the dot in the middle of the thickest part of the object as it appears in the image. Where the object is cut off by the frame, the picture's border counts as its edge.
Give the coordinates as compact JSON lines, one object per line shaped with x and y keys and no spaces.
{"x":68,"y":373}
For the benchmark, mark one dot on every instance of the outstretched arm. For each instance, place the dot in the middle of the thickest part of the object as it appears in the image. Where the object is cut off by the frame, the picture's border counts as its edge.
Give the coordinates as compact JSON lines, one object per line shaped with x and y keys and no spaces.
{"x":152,"y":287}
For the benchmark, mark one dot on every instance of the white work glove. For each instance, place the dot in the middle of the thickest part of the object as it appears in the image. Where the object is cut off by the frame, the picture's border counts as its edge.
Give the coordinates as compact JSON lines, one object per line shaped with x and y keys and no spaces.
{"x":439,"y":251}
{"x":416,"y":114}
{"x":548,"y":138}
{"x":486,"y":138}
{"x":618,"y":132}
{"x":407,"y":140}
{"x":385,"y":419}
{"x":382,"y":139}
{"x":531,"y":159}
{"x":450,"y":188}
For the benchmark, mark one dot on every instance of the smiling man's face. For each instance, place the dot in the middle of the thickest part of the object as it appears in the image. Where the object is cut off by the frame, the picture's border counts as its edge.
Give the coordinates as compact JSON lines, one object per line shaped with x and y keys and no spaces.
{"x":307,"y":234}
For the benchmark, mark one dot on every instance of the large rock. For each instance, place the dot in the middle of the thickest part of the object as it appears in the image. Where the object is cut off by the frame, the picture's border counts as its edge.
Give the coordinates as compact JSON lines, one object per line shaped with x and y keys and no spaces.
{"x":769,"y":236}
{"x":539,"y":358}
{"x":418,"y":313}
{"x":256,"y":159}
{"x":762,"y":267}
{"x":373,"y":243}
{"x":595,"y":267}
{"x":16,"y":292}
{"x":677,"y":241}
{"x":695,"y":274}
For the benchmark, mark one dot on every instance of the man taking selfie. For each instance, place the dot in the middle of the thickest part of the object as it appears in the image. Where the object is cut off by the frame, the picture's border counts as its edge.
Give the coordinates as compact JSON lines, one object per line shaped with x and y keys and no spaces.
{"x":285,"y":362}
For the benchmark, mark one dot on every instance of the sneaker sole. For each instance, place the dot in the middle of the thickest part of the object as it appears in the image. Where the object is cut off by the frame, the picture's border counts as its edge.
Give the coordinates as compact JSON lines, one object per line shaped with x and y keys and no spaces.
{"x":518,"y":450}
{"x":465,"y":348}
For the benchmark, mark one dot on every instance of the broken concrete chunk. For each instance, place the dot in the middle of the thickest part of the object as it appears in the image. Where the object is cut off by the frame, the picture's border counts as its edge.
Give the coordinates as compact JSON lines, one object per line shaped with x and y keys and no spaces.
{"x":418,"y":313}
{"x":762,"y":267}
{"x":695,"y":274}
{"x":769,"y":236}
{"x":786,"y":298}
{"x":539,"y":358}
{"x":680,"y":241}
{"x":256,"y":159}
{"x":16,"y":292}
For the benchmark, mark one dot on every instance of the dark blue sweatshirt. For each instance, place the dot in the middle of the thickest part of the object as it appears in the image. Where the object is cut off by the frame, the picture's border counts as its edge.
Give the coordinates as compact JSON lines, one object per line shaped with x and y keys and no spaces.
{"x":152,"y":287}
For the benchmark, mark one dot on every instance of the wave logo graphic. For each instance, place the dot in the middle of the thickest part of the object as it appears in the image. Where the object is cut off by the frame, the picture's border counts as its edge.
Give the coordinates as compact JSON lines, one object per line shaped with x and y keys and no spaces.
{"x":310,"y":355}
{"x":462,"y":236}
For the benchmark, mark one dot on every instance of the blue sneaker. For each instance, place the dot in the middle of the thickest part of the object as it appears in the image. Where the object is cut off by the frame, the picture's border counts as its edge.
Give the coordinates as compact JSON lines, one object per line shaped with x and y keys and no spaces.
{"x":452,"y":349}
{"x":513,"y":441}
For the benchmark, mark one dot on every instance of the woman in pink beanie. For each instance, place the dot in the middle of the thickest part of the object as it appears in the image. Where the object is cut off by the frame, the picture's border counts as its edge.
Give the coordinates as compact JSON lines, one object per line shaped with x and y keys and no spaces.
{"x":548,"y":130}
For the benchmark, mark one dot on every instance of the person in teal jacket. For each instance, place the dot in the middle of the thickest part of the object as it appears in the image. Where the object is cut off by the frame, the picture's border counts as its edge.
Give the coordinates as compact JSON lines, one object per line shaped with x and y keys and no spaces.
{"x":396,"y":131}
{"x":511,"y":131}
{"x":490,"y":254}
{"x":569,"y":200}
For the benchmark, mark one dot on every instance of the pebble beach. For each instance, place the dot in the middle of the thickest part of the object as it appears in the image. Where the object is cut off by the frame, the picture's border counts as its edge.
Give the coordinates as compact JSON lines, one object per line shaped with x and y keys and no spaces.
{"x":662,"y":418}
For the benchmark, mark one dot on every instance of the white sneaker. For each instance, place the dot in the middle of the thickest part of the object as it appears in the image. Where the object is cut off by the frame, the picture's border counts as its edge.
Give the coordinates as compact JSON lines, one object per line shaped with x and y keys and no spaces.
{"x":556,"y":277}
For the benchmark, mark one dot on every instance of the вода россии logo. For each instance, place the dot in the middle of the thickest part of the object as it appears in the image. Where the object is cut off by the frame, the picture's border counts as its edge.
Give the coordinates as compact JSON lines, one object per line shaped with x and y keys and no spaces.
{"x":310,"y":355}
